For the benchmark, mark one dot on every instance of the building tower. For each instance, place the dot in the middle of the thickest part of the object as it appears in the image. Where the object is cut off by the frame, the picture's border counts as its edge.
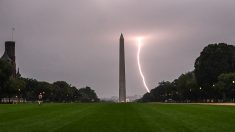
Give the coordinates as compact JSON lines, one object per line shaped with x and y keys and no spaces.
{"x":122,"y":78}
{"x":9,"y":55}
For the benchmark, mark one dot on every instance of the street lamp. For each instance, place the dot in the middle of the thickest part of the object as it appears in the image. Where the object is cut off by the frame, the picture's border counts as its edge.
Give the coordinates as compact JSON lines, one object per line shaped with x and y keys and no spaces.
{"x":200,"y":93}
{"x":233,"y":83}
{"x":19,"y":95}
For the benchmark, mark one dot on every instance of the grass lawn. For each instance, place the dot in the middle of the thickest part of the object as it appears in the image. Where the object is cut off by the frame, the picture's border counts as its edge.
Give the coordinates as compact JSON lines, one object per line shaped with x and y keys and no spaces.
{"x":117,"y":117}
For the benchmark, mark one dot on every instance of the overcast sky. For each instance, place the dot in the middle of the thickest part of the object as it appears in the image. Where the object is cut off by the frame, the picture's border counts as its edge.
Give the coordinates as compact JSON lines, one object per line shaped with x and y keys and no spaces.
{"x":78,"y":40}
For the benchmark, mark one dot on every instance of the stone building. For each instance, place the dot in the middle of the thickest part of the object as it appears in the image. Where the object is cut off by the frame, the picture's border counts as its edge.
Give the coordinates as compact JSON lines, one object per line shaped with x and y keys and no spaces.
{"x":9,"y":55}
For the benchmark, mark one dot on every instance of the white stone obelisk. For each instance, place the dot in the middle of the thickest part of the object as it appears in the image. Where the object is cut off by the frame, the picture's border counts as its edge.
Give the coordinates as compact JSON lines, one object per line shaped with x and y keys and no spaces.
{"x":122,"y":78}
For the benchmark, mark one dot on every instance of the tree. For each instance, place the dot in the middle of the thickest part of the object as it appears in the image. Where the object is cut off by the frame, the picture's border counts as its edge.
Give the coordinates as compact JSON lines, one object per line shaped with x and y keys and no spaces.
{"x":14,"y":87}
{"x":187,"y":88}
{"x":225,"y":87}
{"x":214,"y":60}
{"x":147,"y":97}
{"x":5,"y":74}
{"x":29,"y":89}
{"x":87,"y":95}
{"x":184,"y":88}
{"x":164,"y":91}
{"x":63,"y":91}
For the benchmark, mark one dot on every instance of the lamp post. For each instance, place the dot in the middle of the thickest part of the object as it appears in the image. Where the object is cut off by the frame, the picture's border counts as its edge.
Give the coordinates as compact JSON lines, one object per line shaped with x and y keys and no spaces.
{"x":43,"y":97}
{"x":19,"y":96}
{"x":15,"y":100}
{"x":233,"y":87}
{"x":200,"y":92}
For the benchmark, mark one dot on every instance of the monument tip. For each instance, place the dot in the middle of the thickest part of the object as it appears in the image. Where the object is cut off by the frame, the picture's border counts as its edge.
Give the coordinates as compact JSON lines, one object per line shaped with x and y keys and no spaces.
{"x":121,"y":36}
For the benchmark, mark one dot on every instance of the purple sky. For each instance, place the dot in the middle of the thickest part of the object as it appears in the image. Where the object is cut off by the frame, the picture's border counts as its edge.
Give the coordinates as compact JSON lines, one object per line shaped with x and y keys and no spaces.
{"x":77,"y":40}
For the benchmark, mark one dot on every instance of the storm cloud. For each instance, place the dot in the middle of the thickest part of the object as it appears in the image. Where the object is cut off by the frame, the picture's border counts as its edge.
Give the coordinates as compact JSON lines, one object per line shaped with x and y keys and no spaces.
{"x":78,"y":40}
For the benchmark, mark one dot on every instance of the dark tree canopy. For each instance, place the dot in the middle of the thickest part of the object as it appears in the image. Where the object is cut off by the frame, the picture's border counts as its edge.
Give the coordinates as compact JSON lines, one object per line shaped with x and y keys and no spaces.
{"x":14,"y":85}
{"x":225,"y":87}
{"x":187,"y":87}
{"x":59,"y":91}
{"x":182,"y":89}
{"x":5,"y":73}
{"x":164,"y":91}
{"x":214,"y":60}
{"x":5,"y":70}
{"x":87,"y":95}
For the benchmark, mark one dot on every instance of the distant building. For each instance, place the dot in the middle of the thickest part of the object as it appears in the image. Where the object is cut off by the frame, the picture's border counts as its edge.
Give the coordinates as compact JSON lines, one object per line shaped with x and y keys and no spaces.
{"x":9,"y":55}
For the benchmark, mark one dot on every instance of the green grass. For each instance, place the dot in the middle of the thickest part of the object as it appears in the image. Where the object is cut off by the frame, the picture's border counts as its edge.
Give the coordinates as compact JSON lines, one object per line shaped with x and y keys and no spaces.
{"x":116,"y":118}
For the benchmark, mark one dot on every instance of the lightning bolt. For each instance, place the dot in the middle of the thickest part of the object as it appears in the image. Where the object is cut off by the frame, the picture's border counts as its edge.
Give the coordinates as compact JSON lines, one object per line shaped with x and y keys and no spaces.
{"x":139,"y":65}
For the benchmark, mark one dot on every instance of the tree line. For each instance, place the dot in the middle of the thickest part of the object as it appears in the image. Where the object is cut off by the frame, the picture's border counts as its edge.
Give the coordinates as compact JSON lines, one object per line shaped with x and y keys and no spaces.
{"x":30,"y":89}
{"x":212,"y":80}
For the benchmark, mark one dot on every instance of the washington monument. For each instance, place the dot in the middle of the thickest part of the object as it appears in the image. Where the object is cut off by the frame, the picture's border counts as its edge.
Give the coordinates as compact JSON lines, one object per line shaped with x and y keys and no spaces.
{"x":122,"y":78}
